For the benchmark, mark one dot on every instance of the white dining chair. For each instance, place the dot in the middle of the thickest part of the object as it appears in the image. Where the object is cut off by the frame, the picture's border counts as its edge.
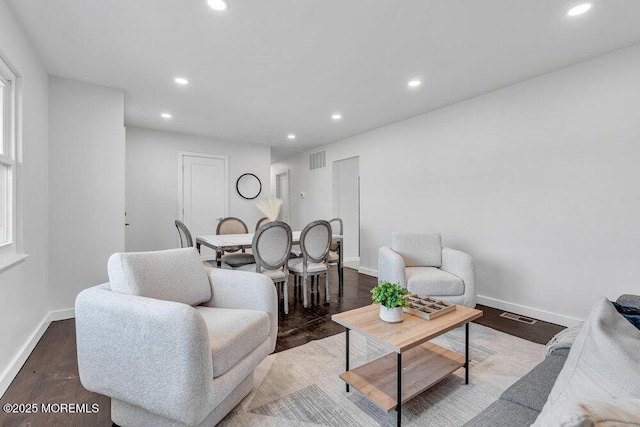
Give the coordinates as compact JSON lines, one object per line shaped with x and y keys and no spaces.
{"x":271,"y":247}
{"x":315,"y":241}
{"x":235,"y":257}
{"x":336,"y":247}
{"x":186,"y":241}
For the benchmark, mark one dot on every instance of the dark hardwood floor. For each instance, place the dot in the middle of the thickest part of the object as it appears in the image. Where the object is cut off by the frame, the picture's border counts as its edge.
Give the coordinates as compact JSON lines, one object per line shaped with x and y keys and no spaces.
{"x":50,"y":374}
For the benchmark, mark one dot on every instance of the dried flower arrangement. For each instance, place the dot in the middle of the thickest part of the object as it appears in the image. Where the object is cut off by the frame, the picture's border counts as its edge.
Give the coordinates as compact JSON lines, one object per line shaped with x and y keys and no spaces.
{"x":270,"y":207}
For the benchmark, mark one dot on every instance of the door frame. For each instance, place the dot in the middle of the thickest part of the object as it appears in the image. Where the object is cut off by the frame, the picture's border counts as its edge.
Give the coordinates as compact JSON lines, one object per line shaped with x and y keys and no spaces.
{"x":181,"y":156}
{"x":277,"y":189}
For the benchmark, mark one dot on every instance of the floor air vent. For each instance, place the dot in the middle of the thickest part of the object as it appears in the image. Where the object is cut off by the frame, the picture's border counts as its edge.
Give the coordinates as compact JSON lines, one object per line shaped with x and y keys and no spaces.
{"x":519,"y":318}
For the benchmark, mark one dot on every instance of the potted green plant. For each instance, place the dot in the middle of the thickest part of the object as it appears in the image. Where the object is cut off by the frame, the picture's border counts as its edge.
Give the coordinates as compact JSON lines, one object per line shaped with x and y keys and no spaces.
{"x":391,"y":297}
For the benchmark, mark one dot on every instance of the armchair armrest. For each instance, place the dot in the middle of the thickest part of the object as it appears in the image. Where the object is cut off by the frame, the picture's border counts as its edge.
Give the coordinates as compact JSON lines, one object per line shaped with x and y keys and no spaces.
{"x":391,"y":267}
{"x":247,"y":290}
{"x":461,"y":264}
{"x":150,"y":353}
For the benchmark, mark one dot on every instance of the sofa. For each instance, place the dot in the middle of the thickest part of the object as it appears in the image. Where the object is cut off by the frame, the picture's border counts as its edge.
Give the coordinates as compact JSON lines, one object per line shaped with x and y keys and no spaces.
{"x":171,"y":342}
{"x":418,"y":262}
{"x":522,"y":403}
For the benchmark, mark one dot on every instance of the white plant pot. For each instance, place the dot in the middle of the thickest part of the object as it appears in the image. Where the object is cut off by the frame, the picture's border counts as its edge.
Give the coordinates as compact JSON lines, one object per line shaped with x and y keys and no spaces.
{"x":391,"y":315}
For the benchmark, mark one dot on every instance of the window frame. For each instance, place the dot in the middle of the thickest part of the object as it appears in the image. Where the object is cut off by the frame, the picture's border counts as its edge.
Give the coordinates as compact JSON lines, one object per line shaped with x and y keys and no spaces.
{"x":9,"y":250}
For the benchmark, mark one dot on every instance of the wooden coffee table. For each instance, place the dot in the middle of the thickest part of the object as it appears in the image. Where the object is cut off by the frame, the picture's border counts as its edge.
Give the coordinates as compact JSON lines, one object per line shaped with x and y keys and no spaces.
{"x":424,"y":363}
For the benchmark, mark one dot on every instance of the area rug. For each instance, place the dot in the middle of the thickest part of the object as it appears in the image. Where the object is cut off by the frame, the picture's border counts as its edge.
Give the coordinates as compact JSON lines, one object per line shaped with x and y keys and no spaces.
{"x":301,"y":387}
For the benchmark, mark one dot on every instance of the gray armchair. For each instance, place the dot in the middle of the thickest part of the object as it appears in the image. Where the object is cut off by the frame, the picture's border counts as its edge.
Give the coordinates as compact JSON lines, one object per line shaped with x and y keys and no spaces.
{"x":171,"y":342}
{"x":419,"y":263}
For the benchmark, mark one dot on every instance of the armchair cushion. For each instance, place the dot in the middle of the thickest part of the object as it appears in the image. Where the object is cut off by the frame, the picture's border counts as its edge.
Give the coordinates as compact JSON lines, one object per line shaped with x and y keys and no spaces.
{"x":173,"y":275}
{"x":431,"y":281}
{"x":233,"y":333}
{"x":418,"y":249}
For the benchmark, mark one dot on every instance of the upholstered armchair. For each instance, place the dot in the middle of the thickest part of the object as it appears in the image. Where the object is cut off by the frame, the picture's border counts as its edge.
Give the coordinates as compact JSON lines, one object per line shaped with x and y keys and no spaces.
{"x":419,"y":263}
{"x":173,"y":343}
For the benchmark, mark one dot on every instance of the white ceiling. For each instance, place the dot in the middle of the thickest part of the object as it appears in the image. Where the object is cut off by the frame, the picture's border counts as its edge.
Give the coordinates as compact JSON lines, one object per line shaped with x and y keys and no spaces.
{"x":269,"y":68}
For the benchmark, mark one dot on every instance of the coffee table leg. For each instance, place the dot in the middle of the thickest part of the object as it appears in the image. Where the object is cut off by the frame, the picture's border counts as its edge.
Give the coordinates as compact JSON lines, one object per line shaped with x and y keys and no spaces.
{"x":466,"y":353}
{"x":399,"y":395}
{"x":347,"y":352}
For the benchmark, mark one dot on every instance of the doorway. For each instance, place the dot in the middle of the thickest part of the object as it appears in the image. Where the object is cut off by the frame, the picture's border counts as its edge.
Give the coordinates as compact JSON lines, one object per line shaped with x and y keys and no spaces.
{"x":282,"y":193}
{"x":204,"y":194}
{"x":346,"y":205}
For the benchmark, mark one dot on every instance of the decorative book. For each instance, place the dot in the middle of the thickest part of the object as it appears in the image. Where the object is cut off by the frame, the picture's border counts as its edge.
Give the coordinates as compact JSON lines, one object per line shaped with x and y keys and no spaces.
{"x":427,"y":308}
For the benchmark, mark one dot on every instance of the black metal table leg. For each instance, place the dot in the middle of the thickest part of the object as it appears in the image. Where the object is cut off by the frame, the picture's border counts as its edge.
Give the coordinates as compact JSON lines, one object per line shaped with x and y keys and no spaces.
{"x":466,"y":353}
{"x":399,"y":395}
{"x":347,"y":352}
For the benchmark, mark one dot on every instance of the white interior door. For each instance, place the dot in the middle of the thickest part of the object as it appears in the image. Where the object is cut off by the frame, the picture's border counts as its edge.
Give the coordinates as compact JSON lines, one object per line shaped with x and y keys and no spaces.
{"x":204,"y":192}
{"x":282,"y":193}
{"x":346,"y":204}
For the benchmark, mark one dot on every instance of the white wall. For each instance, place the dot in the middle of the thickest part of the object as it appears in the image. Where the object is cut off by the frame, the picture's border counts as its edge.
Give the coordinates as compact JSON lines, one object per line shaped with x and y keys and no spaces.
{"x":86,"y":185}
{"x":152,"y":183}
{"x":346,"y":204}
{"x":538,"y":181}
{"x":24,"y":287}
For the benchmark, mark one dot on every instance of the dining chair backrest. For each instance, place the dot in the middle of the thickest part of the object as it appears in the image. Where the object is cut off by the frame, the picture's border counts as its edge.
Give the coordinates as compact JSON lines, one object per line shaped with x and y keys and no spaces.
{"x":336,"y":228}
{"x":271,"y":245}
{"x":186,"y":241}
{"x":315,"y":240}
{"x":231,"y":225}
{"x":262,"y":221}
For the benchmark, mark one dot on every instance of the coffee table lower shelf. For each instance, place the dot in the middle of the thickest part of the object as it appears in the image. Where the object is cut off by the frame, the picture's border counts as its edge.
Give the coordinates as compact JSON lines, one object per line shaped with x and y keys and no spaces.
{"x":422,"y":367}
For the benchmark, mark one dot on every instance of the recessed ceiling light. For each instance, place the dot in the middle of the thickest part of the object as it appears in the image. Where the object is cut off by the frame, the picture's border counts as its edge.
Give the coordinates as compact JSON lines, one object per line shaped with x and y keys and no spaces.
{"x":291,"y":136}
{"x":165,"y":115}
{"x":219,"y":5}
{"x":580,"y":9}
{"x":336,"y":116}
{"x":181,"y":81}
{"x":414,"y":83}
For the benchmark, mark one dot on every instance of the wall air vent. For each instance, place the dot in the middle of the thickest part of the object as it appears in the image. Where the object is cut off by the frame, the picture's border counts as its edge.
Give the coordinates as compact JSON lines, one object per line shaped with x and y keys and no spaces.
{"x":318,"y":160}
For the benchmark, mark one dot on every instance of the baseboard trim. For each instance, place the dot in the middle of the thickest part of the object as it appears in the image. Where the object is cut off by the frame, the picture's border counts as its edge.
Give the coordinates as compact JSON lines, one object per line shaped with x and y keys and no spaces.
{"x":69,"y":313}
{"x":351,"y":259}
{"x":524,"y":310}
{"x":7,"y":377}
{"x":368,"y":271}
{"x":16,"y":364}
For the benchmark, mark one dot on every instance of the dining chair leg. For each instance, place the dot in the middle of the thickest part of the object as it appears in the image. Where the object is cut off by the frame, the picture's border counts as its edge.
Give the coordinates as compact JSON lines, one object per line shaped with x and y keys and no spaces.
{"x":285,"y":294}
{"x":304,"y":290}
{"x":326,"y":284}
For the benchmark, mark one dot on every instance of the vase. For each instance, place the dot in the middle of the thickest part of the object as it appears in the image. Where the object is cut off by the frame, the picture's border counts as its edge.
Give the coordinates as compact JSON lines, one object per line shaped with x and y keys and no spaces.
{"x":391,"y":315}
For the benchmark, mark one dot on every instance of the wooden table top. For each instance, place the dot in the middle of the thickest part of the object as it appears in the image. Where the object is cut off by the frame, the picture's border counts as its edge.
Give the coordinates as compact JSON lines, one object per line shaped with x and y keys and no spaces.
{"x":409,"y":333}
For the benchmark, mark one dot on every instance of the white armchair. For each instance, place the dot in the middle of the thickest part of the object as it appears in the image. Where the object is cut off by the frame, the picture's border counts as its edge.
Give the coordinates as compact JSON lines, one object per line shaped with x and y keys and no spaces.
{"x":171,"y":342}
{"x":419,"y":263}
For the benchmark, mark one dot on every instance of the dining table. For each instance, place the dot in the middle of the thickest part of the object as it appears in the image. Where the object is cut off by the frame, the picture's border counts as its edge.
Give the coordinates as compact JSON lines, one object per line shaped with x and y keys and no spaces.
{"x":223,"y":242}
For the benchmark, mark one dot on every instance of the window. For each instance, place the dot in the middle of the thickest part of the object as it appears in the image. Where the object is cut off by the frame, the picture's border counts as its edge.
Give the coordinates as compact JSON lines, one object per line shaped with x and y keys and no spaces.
{"x":8,"y":118}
